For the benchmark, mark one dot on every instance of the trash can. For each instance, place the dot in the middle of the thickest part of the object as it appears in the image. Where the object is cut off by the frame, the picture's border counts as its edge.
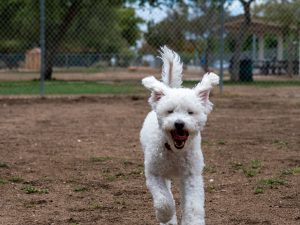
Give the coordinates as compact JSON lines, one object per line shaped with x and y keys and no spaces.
{"x":245,"y":72}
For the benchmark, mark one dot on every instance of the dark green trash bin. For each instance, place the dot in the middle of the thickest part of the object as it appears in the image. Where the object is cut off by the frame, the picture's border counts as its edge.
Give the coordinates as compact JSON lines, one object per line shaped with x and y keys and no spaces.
{"x":246,"y":70}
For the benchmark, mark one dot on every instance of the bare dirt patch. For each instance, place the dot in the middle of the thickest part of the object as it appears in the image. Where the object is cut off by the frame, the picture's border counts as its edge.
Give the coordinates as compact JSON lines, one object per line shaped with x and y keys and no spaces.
{"x":78,"y":160}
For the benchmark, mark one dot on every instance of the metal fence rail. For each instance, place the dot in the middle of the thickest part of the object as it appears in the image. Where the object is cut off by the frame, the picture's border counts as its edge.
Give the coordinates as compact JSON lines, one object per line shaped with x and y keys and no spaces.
{"x":243,"y":40}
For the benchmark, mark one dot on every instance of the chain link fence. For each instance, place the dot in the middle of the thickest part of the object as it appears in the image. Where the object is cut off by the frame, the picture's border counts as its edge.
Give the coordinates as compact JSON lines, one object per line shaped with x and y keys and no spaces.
{"x":242,"y":40}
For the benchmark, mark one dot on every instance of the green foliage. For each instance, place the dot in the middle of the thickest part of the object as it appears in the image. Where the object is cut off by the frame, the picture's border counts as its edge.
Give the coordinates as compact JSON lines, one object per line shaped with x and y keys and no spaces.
{"x":69,"y":87}
{"x":292,"y":171}
{"x":184,"y":33}
{"x":100,"y":159}
{"x":248,"y":170}
{"x":2,"y":181}
{"x":104,"y":26}
{"x":16,"y":179}
{"x":270,"y":183}
{"x":285,"y":13}
{"x":32,"y":190}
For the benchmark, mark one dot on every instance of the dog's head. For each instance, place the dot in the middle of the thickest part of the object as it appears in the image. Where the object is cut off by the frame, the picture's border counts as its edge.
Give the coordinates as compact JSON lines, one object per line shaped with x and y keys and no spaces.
{"x":181,"y":112}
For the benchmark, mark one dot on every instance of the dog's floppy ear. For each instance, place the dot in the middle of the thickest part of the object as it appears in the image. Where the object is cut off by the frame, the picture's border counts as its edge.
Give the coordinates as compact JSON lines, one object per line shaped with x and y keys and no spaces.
{"x":203,"y":89}
{"x":157,"y":88}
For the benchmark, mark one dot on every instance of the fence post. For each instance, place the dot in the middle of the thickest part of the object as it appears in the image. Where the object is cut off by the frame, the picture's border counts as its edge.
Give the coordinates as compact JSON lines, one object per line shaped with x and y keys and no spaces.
{"x":222,"y":47}
{"x":43,"y":47}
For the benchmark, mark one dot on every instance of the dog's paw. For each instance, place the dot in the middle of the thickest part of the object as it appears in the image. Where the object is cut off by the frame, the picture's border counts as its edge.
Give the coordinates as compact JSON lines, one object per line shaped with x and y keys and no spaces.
{"x":164,"y":210}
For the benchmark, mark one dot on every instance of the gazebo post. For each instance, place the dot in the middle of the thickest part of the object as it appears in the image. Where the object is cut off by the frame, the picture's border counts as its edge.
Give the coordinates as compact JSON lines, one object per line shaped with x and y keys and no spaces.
{"x":261,"y":46}
{"x":279,"y":46}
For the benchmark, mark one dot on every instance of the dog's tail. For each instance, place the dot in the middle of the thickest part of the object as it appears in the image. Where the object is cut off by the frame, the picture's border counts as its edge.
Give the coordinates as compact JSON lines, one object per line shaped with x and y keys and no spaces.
{"x":172,"y":68}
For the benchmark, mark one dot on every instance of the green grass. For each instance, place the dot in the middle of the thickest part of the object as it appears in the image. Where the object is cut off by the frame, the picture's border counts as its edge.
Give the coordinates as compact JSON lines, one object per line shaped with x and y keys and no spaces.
{"x":95,"y":87}
{"x":258,"y":83}
{"x":32,"y":190}
{"x":268,"y":183}
{"x":292,"y":171}
{"x":69,"y":87}
{"x":2,"y":181}
{"x":100,"y":158}
{"x":250,"y":170}
{"x":280,"y":144}
{"x":16,"y":179}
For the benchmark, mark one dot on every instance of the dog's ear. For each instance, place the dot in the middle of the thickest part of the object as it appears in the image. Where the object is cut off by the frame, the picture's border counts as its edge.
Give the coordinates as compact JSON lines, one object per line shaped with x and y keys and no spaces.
{"x":157,"y":88}
{"x":203,"y":89}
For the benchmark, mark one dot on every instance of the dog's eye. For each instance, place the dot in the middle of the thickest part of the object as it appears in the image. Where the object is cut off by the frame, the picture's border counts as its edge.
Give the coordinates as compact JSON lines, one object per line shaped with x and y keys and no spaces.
{"x":190,"y":112}
{"x":170,"y":111}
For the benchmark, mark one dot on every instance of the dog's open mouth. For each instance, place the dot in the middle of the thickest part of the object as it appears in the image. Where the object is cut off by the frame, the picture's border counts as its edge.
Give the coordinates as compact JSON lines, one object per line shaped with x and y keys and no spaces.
{"x":179,"y":137}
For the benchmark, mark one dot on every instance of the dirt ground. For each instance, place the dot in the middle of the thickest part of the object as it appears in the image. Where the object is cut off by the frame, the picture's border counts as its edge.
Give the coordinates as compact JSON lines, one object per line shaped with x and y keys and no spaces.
{"x":78,"y":160}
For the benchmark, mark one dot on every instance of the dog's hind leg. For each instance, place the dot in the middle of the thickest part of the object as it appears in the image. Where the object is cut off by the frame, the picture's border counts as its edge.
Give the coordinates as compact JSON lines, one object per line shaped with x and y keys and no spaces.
{"x":164,"y":203}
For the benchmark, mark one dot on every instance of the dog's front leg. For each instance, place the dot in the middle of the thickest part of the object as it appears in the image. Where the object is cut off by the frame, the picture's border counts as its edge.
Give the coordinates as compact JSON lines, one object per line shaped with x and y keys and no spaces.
{"x":192,"y":192}
{"x":164,"y":203}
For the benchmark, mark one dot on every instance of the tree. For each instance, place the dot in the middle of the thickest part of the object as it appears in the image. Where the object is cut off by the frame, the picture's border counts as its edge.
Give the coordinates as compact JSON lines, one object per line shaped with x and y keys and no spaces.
{"x":180,"y":30}
{"x":205,"y":26}
{"x":71,"y":25}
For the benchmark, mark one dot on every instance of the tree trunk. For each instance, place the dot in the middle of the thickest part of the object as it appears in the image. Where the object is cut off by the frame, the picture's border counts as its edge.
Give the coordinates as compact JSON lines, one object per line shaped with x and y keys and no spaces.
{"x":53,"y":40}
{"x":234,"y":76}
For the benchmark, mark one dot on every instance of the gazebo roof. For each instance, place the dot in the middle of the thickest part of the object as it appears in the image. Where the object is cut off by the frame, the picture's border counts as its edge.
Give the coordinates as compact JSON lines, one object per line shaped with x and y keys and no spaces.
{"x":258,"y":25}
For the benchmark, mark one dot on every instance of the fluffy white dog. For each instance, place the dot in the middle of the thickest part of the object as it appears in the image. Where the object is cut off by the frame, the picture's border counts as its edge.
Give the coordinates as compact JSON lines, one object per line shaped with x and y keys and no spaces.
{"x":171,"y":141}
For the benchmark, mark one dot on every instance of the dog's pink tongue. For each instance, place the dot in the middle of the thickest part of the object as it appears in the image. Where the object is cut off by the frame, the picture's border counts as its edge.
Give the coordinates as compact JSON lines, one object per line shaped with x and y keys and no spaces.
{"x":181,"y":136}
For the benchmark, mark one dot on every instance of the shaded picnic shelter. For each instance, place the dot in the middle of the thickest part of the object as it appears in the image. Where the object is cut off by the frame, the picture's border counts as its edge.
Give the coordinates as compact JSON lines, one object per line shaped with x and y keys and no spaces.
{"x":259,"y":28}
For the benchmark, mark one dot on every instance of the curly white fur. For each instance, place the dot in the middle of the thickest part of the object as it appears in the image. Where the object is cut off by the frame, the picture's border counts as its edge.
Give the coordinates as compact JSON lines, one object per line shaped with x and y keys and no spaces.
{"x":172,"y":68}
{"x":163,"y":159}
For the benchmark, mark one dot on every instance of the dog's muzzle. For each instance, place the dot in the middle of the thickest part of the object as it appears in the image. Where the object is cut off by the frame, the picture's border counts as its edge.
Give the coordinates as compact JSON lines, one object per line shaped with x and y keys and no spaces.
{"x":179,"y":137}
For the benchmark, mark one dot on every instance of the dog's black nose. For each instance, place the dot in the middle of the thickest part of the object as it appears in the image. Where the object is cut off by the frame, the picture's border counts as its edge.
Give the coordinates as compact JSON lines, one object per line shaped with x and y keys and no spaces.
{"x":179,"y":125}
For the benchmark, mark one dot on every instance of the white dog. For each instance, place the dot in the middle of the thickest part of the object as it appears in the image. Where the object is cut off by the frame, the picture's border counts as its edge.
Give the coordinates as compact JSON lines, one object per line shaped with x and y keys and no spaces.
{"x":171,"y":141}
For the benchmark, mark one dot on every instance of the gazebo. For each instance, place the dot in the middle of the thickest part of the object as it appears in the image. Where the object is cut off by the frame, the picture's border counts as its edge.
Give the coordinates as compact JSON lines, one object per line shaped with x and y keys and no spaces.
{"x":259,"y":28}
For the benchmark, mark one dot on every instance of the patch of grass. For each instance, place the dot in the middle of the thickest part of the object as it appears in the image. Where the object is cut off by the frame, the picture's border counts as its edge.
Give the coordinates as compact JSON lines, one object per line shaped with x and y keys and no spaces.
{"x":259,"y":190}
{"x":80,"y":189}
{"x":210,"y":169}
{"x":16,"y":179}
{"x":280,"y":143}
{"x":3,"y":165}
{"x":211,"y":188}
{"x":32,"y":190}
{"x":117,"y":176}
{"x":255,"y":164}
{"x":252,"y":169}
{"x":100,"y":158}
{"x":237,"y":165}
{"x":97,"y":206}
{"x":270,"y":183}
{"x":291,"y":171}
{"x":221,"y":142}
{"x":205,"y":142}
{"x":2,"y":181}
{"x":256,"y":83}
{"x":69,"y":87}
{"x":296,"y":170}
{"x":249,"y":170}
{"x":128,"y":163}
